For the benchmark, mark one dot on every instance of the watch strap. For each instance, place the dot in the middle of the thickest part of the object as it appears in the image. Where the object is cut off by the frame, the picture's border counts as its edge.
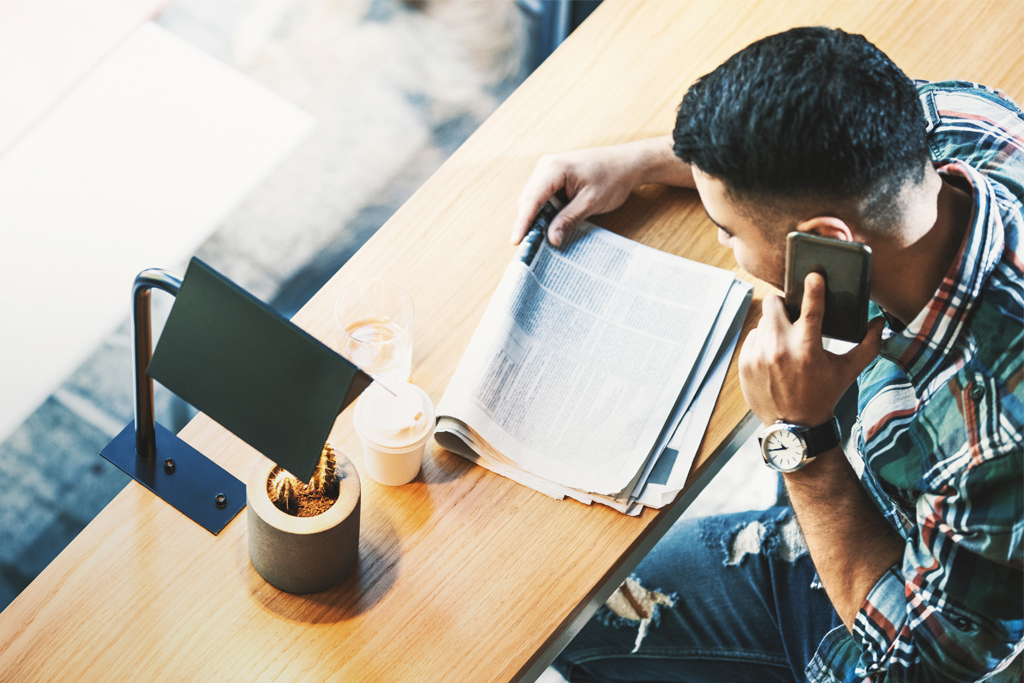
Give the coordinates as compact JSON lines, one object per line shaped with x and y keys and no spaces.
{"x":822,"y":438}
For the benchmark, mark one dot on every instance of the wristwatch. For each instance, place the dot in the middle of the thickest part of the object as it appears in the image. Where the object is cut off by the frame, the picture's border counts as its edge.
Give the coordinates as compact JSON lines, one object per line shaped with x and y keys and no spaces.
{"x":788,"y":447}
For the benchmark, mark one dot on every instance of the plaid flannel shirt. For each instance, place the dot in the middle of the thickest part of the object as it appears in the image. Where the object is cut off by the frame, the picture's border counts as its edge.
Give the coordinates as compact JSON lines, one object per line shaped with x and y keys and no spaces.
{"x":939,"y":433}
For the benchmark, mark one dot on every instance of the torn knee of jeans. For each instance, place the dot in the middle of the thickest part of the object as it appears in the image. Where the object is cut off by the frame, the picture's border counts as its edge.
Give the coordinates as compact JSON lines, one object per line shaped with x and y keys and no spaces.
{"x":631,"y":603}
{"x":711,"y":530}
{"x":779,"y":537}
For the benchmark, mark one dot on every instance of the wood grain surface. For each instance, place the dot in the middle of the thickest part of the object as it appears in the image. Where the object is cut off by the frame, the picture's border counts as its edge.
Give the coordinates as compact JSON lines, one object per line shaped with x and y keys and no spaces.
{"x":463,"y":575}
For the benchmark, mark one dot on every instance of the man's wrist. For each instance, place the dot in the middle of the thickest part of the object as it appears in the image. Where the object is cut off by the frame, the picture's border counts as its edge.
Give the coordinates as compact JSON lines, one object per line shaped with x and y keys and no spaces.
{"x":788,"y":447}
{"x":830,"y":470}
{"x":656,"y":163}
{"x":804,"y":419}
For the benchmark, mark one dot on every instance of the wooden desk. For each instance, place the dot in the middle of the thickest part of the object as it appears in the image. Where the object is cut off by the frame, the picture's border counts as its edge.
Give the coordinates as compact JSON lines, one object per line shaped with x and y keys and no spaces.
{"x":463,"y":575}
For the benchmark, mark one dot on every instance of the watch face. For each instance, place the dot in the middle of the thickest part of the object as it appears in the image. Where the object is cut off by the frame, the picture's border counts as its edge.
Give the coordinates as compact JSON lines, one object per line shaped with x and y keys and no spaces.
{"x":784,"y":449}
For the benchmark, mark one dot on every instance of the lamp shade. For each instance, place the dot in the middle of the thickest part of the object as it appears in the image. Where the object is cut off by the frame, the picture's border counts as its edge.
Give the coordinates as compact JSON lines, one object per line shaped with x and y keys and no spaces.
{"x":256,"y":373}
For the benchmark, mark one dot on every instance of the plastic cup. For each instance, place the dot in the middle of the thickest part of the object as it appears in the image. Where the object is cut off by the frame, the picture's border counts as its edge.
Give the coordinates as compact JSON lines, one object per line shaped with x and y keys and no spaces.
{"x":374,"y":329}
{"x":394,"y":430}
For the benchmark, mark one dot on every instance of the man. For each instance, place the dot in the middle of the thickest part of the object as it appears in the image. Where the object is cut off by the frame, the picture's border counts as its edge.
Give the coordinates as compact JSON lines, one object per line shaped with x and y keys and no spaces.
{"x":909,"y":564}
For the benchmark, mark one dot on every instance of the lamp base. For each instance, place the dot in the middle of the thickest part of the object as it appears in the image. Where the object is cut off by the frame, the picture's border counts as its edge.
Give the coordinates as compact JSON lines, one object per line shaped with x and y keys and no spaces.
{"x":198,"y":487}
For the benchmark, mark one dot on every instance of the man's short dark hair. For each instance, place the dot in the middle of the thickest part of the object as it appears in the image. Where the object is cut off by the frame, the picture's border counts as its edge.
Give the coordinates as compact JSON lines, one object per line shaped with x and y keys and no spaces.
{"x":809,"y":113}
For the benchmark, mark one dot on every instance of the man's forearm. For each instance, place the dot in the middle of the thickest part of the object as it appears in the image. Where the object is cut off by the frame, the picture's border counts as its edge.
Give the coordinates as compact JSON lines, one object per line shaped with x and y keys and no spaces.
{"x":851,"y":544}
{"x":659,"y":164}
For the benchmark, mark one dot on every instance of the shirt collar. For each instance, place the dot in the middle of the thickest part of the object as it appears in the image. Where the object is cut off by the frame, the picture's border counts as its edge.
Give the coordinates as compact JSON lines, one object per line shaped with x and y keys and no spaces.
{"x":937,"y":338}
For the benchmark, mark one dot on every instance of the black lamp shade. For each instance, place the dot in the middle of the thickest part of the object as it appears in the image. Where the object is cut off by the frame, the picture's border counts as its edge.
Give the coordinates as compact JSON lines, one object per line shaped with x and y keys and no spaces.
{"x":258,"y":374}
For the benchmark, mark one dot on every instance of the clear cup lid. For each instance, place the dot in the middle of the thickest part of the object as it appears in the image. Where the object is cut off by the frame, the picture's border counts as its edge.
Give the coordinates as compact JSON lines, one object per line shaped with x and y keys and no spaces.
{"x":394,"y":420}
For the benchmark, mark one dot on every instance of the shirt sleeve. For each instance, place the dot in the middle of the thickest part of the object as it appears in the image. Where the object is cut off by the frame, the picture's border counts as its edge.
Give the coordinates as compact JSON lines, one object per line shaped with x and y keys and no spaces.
{"x":953,"y":609}
{"x":937,"y":617}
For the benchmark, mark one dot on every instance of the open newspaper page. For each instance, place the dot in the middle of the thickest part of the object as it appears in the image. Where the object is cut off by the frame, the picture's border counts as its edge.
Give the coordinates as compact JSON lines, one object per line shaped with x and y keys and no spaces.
{"x":580,"y":358}
{"x":666,"y":476}
{"x":703,"y":387}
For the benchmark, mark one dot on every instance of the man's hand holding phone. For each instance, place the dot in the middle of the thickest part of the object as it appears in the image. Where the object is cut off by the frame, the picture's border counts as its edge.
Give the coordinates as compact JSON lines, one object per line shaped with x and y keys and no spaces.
{"x":785,"y":371}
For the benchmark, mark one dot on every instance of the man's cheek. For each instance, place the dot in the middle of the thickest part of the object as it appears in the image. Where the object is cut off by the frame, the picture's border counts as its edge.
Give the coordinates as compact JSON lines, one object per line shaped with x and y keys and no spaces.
{"x":744,"y":261}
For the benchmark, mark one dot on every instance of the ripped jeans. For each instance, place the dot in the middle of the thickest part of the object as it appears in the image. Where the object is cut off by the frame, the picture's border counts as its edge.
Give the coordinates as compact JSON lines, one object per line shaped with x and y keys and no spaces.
{"x":726,"y":598}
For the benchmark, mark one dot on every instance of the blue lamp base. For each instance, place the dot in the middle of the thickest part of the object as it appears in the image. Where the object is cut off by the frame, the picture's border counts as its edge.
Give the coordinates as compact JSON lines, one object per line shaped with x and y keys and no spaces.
{"x":199,"y":488}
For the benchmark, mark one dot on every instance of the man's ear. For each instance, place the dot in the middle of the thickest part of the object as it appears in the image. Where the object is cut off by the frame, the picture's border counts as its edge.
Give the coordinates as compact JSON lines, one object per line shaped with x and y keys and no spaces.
{"x":827,"y":226}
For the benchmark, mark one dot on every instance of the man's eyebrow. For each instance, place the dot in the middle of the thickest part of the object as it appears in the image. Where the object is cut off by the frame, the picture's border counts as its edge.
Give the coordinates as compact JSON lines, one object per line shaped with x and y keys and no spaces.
{"x":717,"y":224}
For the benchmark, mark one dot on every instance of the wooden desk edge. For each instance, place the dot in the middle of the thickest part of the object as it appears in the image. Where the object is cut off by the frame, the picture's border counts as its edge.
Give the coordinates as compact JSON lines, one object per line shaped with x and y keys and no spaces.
{"x":703,"y":473}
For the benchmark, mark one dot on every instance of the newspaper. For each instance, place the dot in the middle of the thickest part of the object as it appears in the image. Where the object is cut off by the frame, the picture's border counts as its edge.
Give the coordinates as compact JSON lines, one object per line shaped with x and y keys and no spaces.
{"x":666,"y":473}
{"x":585,"y":363}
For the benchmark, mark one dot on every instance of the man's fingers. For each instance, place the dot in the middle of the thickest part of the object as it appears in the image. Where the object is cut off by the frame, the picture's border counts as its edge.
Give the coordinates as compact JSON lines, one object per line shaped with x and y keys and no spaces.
{"x":748,"y":355}
{"x":542,"y":186}
{"x":812,"y":307}
{"x":528,"y":208}
{"x":519,"y":228}
{"x":749,"y":345}
{"x":774,"y":319}
{"x":567,"y":219}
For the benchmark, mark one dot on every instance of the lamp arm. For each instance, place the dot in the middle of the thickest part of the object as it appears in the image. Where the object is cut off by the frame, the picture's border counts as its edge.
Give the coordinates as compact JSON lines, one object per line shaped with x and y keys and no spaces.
{"x":142,"y":351}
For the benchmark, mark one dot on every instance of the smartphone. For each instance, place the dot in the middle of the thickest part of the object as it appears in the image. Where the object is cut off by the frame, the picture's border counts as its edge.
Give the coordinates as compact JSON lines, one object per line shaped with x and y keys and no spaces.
{"x":846,"y":267}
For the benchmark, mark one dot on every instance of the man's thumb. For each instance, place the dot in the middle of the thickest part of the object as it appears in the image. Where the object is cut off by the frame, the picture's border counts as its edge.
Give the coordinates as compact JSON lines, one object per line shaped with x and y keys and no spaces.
{"x":566,"y":220}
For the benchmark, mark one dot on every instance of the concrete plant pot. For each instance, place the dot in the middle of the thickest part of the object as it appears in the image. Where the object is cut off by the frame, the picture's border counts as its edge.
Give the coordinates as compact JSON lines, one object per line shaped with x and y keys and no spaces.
{"x":303,"y":554}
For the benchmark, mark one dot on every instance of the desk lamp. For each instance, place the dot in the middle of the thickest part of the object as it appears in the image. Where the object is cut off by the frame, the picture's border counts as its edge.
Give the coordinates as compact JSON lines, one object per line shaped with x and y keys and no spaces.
{"x":243,"y":364}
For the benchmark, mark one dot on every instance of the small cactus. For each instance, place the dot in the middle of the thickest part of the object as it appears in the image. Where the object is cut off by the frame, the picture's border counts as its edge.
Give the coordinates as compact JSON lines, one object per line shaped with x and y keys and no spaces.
{"x":325,"y":477}
{"x":284,"y":492}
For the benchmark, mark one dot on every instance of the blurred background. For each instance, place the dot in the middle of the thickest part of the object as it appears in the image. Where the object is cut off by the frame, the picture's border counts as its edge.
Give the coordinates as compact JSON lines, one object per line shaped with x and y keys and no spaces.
{"x":271,"y":138}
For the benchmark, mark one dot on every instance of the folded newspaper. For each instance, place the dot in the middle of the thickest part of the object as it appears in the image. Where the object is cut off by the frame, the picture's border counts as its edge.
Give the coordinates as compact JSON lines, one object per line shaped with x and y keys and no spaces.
{"x":595,"y":368}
